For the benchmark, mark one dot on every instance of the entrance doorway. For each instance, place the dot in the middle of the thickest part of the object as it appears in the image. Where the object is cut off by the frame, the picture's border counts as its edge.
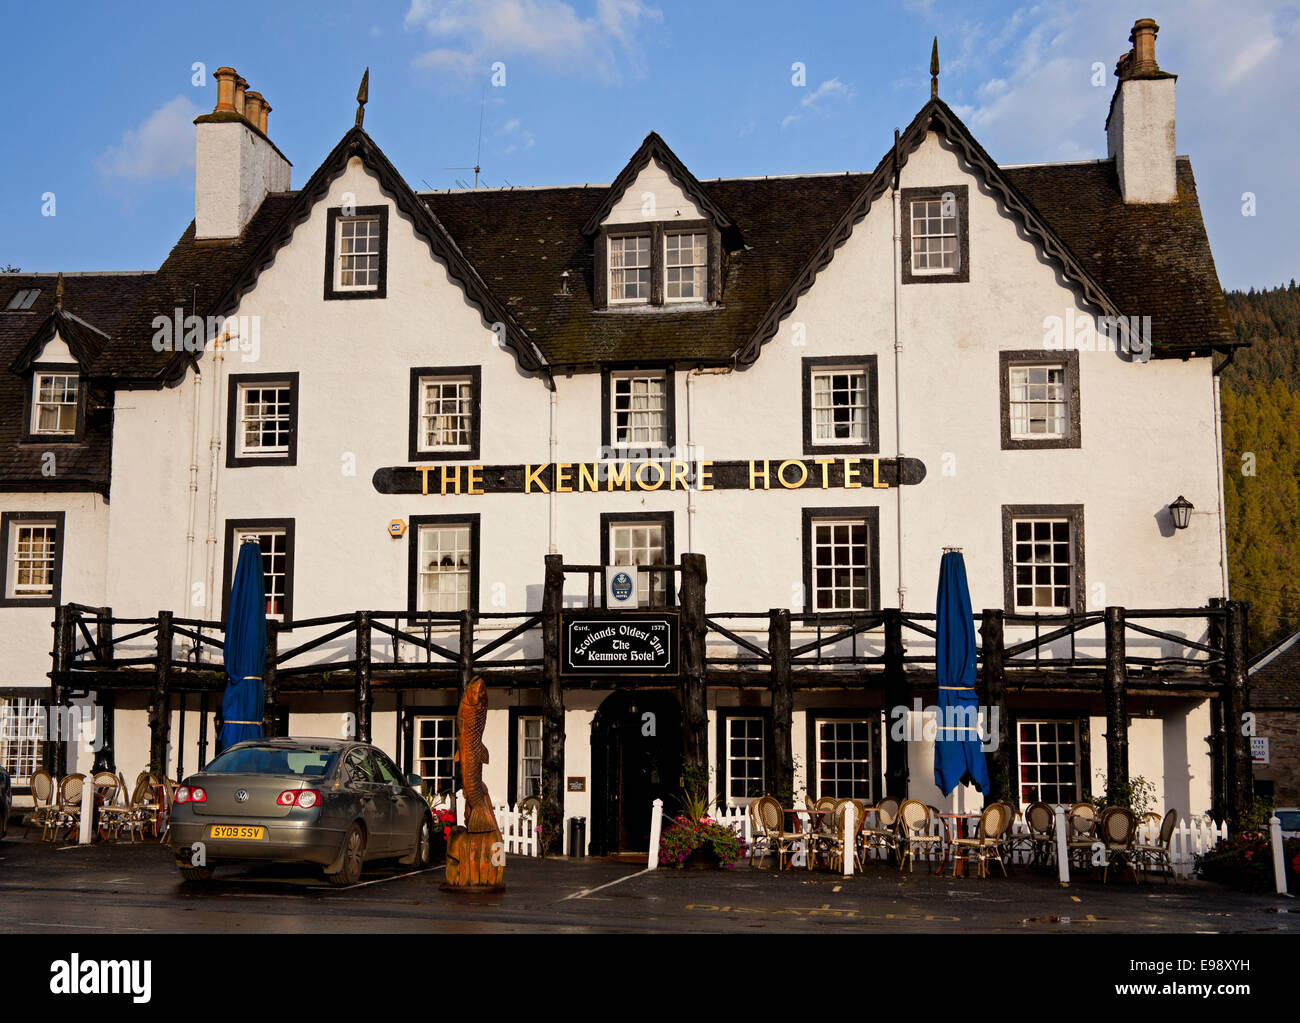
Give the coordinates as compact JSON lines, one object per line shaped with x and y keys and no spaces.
{"x":636,"y":758}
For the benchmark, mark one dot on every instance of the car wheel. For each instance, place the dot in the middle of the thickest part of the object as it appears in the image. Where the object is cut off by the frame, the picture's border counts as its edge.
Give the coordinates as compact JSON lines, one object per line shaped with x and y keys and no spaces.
{"x":354,"y":857}
{"x":422,"y":852}
{"x":195,"y":873}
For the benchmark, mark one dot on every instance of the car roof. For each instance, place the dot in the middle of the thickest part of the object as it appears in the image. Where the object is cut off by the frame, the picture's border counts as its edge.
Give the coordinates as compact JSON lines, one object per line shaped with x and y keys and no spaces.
{"x":300,"y":743}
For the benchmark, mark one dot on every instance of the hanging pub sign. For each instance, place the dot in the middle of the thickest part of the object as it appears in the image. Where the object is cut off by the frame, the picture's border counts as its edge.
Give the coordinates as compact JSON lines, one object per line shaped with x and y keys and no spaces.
{"x":839,"y":472}
{"x":620,"y":586}
{"x":594,"y":643}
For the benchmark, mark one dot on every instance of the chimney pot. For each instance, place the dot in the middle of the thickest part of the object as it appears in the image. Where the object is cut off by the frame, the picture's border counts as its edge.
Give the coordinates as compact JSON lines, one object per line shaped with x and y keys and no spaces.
{"x":253,"y":109}
{"x":1143,"y":38}
{"x":266,"y":113}
{"x":241,"y":87}
{"x":225,"y":77}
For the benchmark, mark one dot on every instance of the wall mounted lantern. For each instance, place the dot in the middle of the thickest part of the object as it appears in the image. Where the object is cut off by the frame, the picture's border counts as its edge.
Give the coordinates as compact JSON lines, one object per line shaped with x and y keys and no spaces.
{"x":1181,"y":511}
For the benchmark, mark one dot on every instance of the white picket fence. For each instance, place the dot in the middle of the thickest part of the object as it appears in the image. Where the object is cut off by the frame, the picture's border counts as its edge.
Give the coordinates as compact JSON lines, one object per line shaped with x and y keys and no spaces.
{"x":1190,"y":838}
{"x":518,"y":829}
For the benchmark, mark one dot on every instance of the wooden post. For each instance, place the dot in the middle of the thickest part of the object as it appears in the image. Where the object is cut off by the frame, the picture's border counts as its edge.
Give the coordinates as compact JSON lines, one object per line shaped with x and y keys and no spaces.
{"x":270,"y":681}
{"x":104,"y":634}
{"x":895,"y":702}
{"x":778,"y":635}
{"x":993,"y":675}
{"x":466,"y":661}
{"x":1218,"y":630}
{"x":105,"y":758}
{"x":364,"y":699}
{"x":552,"y":822}
{"x":1238,"y":773}
{"x":203,"y":732}
{"x":160,"y":699}
{"x":56,"y":749}
{"x":1115,"y":694}
{"x":695,"y":710}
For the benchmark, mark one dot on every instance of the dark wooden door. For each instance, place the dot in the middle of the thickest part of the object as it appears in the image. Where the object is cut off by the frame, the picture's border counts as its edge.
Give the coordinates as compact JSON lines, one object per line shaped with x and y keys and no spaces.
{"x":636,"y":759}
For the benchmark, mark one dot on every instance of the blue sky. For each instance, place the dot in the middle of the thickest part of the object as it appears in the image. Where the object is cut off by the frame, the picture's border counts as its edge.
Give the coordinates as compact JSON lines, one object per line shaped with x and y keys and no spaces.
{"x":101,"y":99}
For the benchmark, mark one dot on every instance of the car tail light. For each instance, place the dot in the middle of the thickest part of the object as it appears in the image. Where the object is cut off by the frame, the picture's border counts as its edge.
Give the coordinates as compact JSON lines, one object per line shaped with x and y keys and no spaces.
{"x":305,"y":798}
{"x":197,"y":795}
{"x":182,"y":794}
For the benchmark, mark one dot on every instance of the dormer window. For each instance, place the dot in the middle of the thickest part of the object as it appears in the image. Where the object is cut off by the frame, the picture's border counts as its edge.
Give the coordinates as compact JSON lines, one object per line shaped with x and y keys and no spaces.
{"x":55,"y":402}
{"x":356,"y":252}
{"x":685,"y":261}
{"x":936,"y":242}
{"x":629,"y":269}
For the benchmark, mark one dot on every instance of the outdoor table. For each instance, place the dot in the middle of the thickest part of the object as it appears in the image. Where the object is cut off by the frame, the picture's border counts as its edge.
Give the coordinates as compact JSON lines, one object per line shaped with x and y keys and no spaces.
{"x":949,"y":847}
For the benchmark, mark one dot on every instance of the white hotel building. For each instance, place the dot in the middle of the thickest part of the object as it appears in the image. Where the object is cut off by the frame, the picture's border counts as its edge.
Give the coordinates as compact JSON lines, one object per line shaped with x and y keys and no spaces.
{"x":805,"y":387}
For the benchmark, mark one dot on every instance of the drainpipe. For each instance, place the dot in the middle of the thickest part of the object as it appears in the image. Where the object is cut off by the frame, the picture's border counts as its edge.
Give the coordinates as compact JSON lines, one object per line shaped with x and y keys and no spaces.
{"x":214,"y":457}
{"x":194,"y":487}
{"x":550,"y":500}
{"x":1218,"y":465}
{"x":898,"y":352}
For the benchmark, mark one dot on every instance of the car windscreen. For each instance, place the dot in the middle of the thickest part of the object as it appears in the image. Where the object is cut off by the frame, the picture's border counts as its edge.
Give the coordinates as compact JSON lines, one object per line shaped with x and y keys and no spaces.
{"x":1290,"y":819}
{"x":311,"y":763}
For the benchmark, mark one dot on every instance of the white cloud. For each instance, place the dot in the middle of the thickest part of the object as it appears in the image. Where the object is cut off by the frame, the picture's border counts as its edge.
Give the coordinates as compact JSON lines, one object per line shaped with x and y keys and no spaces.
{"x":829,"y":91}
{"x":160,"y":147}
{"x":515,"y":136}
{"x":471,"y":34}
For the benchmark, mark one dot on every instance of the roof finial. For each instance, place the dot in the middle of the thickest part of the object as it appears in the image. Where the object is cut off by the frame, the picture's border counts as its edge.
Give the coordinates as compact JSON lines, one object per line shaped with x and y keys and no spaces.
{"x":363,"y":96}
{"x":934,"y":69}
{"x":58,"y":292}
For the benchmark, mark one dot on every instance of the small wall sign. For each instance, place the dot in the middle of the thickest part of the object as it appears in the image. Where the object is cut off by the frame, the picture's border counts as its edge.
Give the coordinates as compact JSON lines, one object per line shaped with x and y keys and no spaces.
{"x":577,"y":785}
{"x":1259,"y":750}
{"x":396,"y":529}
{"x":620,"y":585}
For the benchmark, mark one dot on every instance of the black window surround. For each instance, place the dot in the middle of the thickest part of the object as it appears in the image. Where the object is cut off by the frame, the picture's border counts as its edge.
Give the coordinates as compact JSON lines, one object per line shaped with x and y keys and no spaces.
{"x":513,"y":751}
{"x":1073,"y":512}
{"x":812,"y":756}
{"x":36,"y":370}
{"x":665,"y":518}
{"x":413,"y":556}
{"x":607,"y":375}
{"x":1039,"y":357}
{"x":331,"y":242}
{"x":723,"y":752}
{"x":870,"y":515}
{"x":415,"y":453}
{"x":866,"y":363}
{"x":1081,"y":719}
{"x":9,"y":521}
{"x":407,"y":715}
{"x":234,"y":419}
{"x":656,"y":230}
{"x":961,"y":194}
{"x":233,"y":526}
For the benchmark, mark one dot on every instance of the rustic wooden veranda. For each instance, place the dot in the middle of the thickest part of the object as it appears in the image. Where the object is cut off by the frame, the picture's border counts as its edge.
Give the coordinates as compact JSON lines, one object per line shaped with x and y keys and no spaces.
{"x":98,"y":652}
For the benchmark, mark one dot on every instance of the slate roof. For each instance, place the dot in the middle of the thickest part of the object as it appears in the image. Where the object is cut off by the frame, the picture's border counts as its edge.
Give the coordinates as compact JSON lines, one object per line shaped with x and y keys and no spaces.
{"x":102,"y":301}
{"x":1275,"y":676}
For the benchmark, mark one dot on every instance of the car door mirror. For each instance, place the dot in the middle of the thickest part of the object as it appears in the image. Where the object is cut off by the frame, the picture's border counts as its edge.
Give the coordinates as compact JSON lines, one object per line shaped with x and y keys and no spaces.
{"x":415,"y":781}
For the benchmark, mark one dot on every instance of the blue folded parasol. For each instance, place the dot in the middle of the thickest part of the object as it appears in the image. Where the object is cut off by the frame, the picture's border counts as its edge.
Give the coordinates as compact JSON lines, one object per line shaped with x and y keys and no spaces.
{"x":958,"y":755}
{"x":244,"y":653}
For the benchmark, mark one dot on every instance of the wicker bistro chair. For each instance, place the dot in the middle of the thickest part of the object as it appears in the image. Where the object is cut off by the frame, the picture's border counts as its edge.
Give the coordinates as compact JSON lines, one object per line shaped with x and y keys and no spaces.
{"x":1118,"y":830}
{"x":1007,"y":839}
{"x":822,"y":825}
{"x":1156,"y":853}
{"x":1081,"y":833}
{"x":833,"y":838}
{"x":107,"y":785}
{"x":131,"y":815}
{"x":914,"y":822}
{"x":987,"y":840}
{"x":42,"y":784}
{"x":67,"y":807}
{"x":1040,"y":822}
{"x":769,"y":821}
{"x":884,"y":835}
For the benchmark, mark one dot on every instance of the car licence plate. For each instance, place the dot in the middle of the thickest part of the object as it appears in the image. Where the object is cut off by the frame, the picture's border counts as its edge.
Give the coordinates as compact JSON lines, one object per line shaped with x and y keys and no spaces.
{"x":237,"y":831}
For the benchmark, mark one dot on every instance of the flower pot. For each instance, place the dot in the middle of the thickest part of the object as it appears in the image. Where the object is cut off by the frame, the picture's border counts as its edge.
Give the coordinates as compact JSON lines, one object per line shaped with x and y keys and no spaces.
{"x":702,"y":858}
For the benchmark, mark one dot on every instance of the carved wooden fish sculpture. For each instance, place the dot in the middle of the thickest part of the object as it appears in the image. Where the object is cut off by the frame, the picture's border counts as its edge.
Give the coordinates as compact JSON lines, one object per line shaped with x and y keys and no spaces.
{"x":475,"y":856}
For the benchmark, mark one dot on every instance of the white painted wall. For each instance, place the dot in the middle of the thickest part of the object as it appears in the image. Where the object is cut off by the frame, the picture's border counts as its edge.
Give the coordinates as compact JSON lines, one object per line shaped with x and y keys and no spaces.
{"x":653,"y":196}
{"x":235,"y":167}
{"x":1141,"y":138}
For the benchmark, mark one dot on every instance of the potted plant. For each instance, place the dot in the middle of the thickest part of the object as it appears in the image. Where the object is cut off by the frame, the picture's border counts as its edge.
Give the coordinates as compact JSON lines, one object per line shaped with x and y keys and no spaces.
{"x":694,"y":839}
{"x":444,"y":819}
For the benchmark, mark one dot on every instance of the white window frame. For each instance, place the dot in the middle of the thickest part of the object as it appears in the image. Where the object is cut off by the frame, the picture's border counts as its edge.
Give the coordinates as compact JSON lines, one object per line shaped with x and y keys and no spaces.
{"x":238,"y":534}
{"x":822,"y":780}
{"x":814,"y":598}
{"x":861,"y":414}
{"x":440,"y":722}
{"x":1037,"y":742}
{"x":523,"y":766}
{"x":28,"y":591}
{"x":341,"y":256}
{"x":634,"y":377}
{"x":748,"y":758}
{"x":1055,"y":394}
{"x":38,"y":404}
{"x":464,"y":412}
{"x":22,"y":729}
{"x":632,"y":553}
{"x":1034,"y":565}
{"x":648,"y":267}
{"x":700,"y":277}
{"x":920,"y":239}
{"x":285,"y":415}
{"x":454,"y":572}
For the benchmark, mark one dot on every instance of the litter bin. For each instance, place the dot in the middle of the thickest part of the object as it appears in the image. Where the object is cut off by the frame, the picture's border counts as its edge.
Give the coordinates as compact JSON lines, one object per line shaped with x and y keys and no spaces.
{"x":577,"y":836}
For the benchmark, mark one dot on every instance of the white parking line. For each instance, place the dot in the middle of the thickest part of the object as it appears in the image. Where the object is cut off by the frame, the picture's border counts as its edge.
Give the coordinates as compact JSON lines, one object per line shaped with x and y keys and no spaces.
{"x":83,"y":927}
{"x":382,"y":880}
{"x":591,"y":891}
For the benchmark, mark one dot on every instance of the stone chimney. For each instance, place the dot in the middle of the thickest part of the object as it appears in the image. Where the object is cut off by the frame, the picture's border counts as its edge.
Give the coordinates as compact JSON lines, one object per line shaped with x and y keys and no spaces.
{"x":236,"y":163}
{"x":1140,"y":127}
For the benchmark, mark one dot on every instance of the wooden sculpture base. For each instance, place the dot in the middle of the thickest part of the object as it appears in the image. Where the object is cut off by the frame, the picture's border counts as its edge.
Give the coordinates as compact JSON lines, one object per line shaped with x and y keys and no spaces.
{"x":469,"y":860}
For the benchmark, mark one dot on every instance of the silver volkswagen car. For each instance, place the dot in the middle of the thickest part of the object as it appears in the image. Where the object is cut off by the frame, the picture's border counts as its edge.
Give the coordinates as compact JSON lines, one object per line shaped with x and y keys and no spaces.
{"x":331,"y":802}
